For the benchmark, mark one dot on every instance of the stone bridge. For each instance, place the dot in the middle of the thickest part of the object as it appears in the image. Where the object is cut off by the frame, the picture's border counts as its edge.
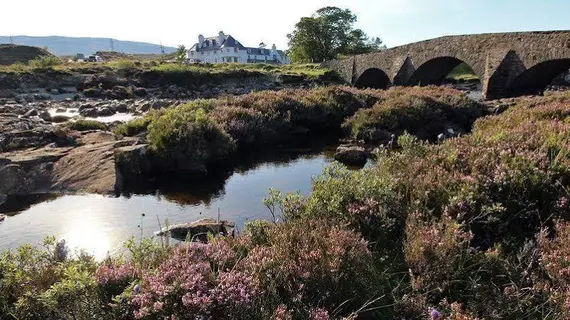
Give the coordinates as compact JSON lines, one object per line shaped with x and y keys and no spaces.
{"x":507,"y":64}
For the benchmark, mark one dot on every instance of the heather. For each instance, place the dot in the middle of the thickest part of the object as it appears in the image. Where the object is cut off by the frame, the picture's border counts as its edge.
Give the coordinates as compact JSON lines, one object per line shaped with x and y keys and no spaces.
{"x":300,"y":271}
{"x":472,"y":227}
{"x":205,"y":132}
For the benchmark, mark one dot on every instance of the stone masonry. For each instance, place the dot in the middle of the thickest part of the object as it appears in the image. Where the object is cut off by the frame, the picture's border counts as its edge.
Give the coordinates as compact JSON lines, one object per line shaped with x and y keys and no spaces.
{"x":508,"y":64}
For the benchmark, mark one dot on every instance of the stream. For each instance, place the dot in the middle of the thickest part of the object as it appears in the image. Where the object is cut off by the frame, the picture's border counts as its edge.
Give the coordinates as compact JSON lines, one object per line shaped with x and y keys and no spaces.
{"x":100,"y":225}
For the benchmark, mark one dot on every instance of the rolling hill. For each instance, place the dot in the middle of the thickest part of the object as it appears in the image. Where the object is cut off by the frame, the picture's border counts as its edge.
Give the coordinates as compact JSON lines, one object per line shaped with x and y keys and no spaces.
{"x":65,"y":46}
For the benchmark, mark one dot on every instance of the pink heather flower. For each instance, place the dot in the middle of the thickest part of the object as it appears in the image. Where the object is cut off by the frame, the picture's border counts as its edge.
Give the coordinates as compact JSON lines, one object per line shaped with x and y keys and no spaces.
{"x":114,"y":274}
{"x":158,"y":306}
{"x":319,"y":314}
{"x":282,"y":313}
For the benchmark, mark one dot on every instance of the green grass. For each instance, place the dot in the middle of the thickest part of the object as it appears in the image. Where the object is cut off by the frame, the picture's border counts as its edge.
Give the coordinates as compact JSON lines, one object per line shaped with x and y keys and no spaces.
{"x":85,"y":125}
{"x":462,"y":72}
{"x":307,"y":70}
{"x":310,"y":70}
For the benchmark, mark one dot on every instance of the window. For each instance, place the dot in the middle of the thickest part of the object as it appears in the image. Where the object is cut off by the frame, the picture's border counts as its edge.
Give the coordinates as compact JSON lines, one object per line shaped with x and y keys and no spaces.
{"x":213,"y":43}
{"x":228,"y":50}
{"x":235,"y":49}
{"x":235,"y":59}
{"x":248,"y":50}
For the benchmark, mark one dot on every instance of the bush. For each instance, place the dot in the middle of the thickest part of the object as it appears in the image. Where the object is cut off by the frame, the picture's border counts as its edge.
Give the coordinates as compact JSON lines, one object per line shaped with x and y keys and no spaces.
{"x":136,"y":126}
{"x":187,"y":137}
{"x":425,"y":114}
{"x":45,"y":62}
{"x":309,"y":265}
{"x":85,"y":125}
{"x":44,"y":284}
{"x":122,"y":65}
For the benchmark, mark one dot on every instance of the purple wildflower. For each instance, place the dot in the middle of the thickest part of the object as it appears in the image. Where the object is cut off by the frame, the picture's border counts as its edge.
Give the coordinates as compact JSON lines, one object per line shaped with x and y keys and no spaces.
{"x":434,"y":314}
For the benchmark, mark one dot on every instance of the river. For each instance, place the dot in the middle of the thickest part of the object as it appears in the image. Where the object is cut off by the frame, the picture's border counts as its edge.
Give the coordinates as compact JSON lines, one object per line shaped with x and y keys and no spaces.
{"x":101,"y":224}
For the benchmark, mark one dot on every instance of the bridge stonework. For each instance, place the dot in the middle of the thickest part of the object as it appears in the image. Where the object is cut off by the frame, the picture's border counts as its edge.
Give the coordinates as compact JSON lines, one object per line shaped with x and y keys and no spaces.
{"x":508,"y":64}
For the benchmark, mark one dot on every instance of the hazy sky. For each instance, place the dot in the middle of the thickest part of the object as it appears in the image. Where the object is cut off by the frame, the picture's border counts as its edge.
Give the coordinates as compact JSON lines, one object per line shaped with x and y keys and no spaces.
{"x":251,"y":21}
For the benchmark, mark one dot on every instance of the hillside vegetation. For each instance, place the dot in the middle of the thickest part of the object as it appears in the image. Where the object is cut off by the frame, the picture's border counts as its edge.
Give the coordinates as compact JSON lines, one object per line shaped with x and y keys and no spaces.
{"x":18,"y":55}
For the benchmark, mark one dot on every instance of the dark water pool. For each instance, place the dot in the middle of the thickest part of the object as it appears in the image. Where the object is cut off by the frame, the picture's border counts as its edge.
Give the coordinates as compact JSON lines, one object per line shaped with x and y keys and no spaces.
{"x":101,"y":224}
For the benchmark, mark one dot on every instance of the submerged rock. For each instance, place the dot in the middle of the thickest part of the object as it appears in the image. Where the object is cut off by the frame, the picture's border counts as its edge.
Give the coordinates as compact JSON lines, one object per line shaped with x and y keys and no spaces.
{"x":198,"y":230}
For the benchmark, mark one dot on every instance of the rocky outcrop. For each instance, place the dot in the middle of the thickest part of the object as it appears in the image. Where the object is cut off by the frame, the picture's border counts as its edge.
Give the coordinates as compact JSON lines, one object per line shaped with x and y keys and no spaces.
{"x":351,"y":155}
{"x":88,"y":167}
{"x":19,"y":133}
{"x":198,"y":230}
{"x":133,"y":165}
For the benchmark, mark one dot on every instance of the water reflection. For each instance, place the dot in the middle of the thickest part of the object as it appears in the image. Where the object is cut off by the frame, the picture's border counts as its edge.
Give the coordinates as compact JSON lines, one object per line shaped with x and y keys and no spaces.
{"x":100,"y":224}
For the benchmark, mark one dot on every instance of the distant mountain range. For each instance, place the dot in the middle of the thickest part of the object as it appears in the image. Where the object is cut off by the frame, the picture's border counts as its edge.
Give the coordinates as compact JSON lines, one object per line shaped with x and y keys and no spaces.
{"x":67,"y":46}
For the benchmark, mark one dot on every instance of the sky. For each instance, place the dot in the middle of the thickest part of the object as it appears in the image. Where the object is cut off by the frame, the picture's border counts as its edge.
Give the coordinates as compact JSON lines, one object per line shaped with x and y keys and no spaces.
{"x":175,"y":22}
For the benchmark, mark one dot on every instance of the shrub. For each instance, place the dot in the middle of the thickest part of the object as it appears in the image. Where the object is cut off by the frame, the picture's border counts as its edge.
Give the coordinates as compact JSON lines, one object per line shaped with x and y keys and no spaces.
{"x":122,"y":64}
{"x":45,"y":283}
{"x":138,"y":125}
{"x":309,"y":265}
{"x":45,"y":62}
{"x":187,"y":137}
{"x":85,"y":125}
{"x":424,"y":114}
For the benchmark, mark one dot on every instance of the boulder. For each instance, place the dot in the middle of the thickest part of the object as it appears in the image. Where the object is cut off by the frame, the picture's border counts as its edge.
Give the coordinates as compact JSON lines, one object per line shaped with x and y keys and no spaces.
{"x":140,"y":92}
{"x":351,"y":155}
{"x":93,"y":93}
{"x":118,"y":93}
{"x":198,"y":230}
{"x":12,"y":177}
{"x":60,"y":119}
{"x":105,"y":112}
{"x":31,"y":113}
{"x":88,"y":112}
{"x":19,"y":133}
{"x":44,"y":115}
{"x":122,"y":107}
{"x":133,"y":164}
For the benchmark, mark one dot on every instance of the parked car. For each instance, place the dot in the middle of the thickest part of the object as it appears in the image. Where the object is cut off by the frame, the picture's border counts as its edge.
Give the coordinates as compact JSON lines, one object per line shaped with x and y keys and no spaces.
{"x":94,"y":58}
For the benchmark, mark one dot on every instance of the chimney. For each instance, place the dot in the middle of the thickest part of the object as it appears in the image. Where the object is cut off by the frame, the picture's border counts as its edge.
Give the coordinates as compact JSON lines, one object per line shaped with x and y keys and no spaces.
{"x":221,"y":37}
{"x":200,"y":40}
{"x":274,"y":48}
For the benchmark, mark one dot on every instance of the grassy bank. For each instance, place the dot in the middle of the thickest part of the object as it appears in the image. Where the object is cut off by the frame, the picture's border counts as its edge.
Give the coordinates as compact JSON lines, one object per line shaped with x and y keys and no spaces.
{"x":475,"y":227}
{"x":205,"y":132}
{"x":142,"y":65}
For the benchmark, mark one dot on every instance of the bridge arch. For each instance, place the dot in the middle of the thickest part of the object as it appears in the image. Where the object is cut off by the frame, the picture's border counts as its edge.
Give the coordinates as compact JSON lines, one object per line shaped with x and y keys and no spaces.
{"x":435,"y":70}
{"x":535,"y":79}
{"x":373,"y":78}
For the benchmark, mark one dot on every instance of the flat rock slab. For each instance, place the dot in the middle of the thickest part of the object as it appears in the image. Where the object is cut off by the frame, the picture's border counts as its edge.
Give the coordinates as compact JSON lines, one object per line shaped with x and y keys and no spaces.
{"x":89,"y":167}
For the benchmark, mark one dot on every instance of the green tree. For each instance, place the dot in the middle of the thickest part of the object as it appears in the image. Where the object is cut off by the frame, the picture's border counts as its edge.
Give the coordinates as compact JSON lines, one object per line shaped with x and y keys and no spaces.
{"x":180,"y":54}
{"x":327,"y":34}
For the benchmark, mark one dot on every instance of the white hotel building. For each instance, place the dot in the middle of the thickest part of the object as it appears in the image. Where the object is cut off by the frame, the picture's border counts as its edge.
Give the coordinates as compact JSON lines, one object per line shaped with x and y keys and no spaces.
{"x":224,"y":48}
